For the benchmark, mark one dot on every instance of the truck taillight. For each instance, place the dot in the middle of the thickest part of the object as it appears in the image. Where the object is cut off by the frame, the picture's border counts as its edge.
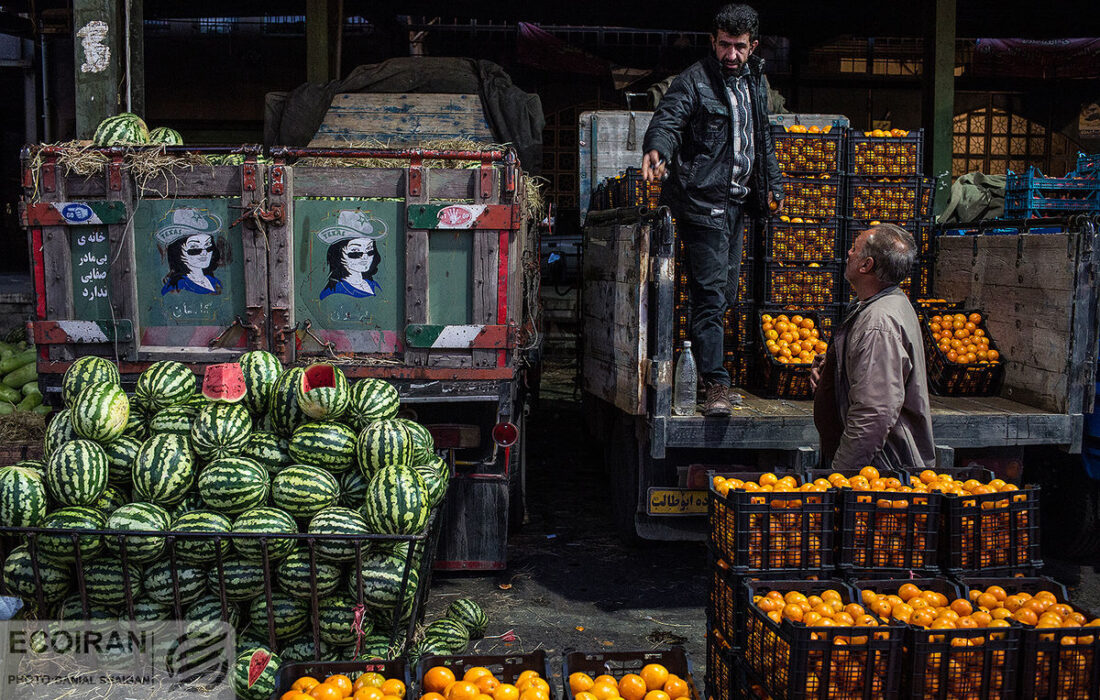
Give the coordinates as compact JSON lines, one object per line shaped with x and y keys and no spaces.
{"x":505,"y":434}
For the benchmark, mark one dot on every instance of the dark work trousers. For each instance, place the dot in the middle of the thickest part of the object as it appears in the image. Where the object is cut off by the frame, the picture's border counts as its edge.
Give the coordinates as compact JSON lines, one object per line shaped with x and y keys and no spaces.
{"x":714,"y":270}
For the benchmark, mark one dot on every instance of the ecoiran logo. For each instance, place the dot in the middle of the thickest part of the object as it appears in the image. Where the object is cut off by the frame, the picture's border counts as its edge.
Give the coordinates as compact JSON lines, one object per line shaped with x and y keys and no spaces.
{"x":109,"y":659}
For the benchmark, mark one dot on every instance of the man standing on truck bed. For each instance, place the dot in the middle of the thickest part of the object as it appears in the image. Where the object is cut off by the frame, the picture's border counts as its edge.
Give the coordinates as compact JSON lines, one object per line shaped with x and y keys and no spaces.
{"x":711,"y":132}
{"x":871,"y":386}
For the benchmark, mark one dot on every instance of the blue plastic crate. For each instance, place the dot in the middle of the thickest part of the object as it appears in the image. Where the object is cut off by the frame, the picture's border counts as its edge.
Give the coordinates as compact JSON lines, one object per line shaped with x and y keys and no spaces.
{"x":1088,"y":166}
{"x":1034,"y":179}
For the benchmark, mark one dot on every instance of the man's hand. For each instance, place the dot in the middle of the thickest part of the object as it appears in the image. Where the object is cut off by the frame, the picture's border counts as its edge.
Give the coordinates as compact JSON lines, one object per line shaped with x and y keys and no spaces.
{"x":815,"y":371}
{"x":653,"y":168}
{"x":775,"y":205}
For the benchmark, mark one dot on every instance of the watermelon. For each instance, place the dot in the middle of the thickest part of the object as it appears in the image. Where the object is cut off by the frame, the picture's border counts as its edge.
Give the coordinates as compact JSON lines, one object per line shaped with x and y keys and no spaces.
{"x":254,"y":674}
{"x":382,"y":574}
{"x":322,"y":392}
{"x":139,"y":517}
{"x":233,"y":485}
{"x":286,"y":414}
{"x":224,"y":383}
{"x":123,"y":129}
{"x":469,"y":614}
{"x":22,"y":497}
{"x":269,"y":450}
{"x":201,"y":550}
{"x":336,"y":620}
{"x":137,"y":423}
{"x":453,"y":634}
{"x":121,"y":453}
{"x":161,"y":582}
{"x":149,"y":610}
{"x":100,"y":412}
{"x":37,"y":466}
{"x":338,"y":521}
{"x":58,"y":432}
{"x":423,"y":442}
{"x":165,"y":383}
{"x":293,"y":575}
{"x":370,"y":400}
{"x":253,"y":636}
{"x":353,"y":489}
{"x":84,"y":371}
{"x":105,"y":581}
{"x":260,"y":370}
{"x":264,"y":520}
{"x":174,"y":420}
{"x":76,"y":473}
{"x":437,"y":477}
{"x":378,"y":646}
{"x":304,"y":491}
{"x":325,"y":444}
{"x":19,"y":579}
{"x":191,"y":501}
{"x":289,"y":614}
{"x":62,"y":547}
{"x":113,"y":498}
{"x":220,"y":430}
{"x":163,"y":470}
{"x":383,"y":443}
{"x":429,"y":646}
{"x":396,"y":501}
{"x":72,"y":608}
{"x":166,"y":136}
{"x":301,"y":649}
{"x":208,"y":608}
{"x":242,"y":580}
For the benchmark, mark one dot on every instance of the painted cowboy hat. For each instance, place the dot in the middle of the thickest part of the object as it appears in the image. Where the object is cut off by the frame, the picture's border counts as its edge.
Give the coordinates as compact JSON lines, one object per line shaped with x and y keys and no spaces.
{"x":181,"y":223}
{"x":352,"y":223}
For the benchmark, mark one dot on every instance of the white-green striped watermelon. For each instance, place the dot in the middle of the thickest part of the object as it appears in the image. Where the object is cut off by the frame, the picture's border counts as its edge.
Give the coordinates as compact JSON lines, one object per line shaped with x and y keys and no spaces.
{"x":100,"y":412}
{"x":303,"y":491}
{"x":233,"y":485}
{"x":336,"y":620}
{"x":53,"y":579}
{"x":269,"y":450}
{"x":163,"y":470}
{"x":323,"y":392}
{"x":166,"y":136}
{"x":353,"y":489}
{"x":137,"y":424}
{"x":139,"y":517}
{"x":174,"y":420}
{"x":84,"y":371}
{"x":302,"y":649}
{"x":285,"y":412}
{"x":149,"y":610}
{"x":105,"y":581}
{"x":242,"y":580}
{"x":382,"y":574}
{"x":325,"y":444}
{"x":423,"y":442}
{"x":23,"y":501}
{"x":470,"y":615}
{"x":113,"y":498}
{"x":254,"y":673}
{"x":452,"y":633}
{"x":383,"y":443}
{"x":437,"y":477}
{"x":261,"y":369}
{"x":396,"y":501}
{"x":294,"y":575}
{"x":76,"y":473}
{"x":201,"y":550}
{"x":165,"y":383}
{"x":62,"y":546}
{"x":161,"y":581}
{"x":289,"y":614}
{"x":338,"y":521}
{"x":265,"y":521}
{"x":72,"y":608}
{"x":123,"y":129}
{"x":121,"y":453}
{"x":370,"y":400}
{"x":58,"y":432}
{"x":208,"y":608}
{"x":220,"y":430}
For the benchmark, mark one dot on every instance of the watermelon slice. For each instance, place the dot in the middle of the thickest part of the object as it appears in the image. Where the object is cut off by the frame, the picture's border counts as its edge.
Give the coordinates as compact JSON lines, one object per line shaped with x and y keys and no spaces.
{"x":224,"y":382}
{"x":323,"y":392}
{"x":257,"y":664}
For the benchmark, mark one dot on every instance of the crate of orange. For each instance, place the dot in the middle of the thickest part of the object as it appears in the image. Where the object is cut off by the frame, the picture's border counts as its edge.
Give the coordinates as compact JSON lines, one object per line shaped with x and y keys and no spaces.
{"x":962,"y":358}
{"x":884,"y":525}
{"x":955,"y":649}
{"x":812,"y":639}
{"x":725,"y":679}
{"x":771,"y":523}
{"x":336,"y":680}
{"x":502,"y":677}
{"x":659,"y":674}
{"x":1060,"y":658}
{"x":789,"y":342}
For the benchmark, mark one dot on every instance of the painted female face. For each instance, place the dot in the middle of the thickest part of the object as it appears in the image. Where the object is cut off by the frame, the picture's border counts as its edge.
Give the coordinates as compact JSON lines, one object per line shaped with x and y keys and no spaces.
{"x":358,"y":254}
{"x":198,"y":250}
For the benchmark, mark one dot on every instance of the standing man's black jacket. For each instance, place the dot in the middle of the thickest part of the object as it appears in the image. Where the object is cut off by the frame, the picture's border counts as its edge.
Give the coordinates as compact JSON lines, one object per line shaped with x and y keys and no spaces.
{"x":692,"y":131}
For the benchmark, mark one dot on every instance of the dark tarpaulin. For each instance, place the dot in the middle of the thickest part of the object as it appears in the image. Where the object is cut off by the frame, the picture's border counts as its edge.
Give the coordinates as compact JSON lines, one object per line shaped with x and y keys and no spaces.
{"x":292,"y":119}
{"x":1033,"y":58}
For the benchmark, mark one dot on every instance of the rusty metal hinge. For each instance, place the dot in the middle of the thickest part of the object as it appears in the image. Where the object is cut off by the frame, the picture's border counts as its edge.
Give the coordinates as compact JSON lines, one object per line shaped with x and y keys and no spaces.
{"x":231,"y":336}
{"x":114,"y":169}
{"x":277,"y":175}
{"x":248,"y":177}
{"x":416,"y":175}
{"x":255,"y":216}
{"x":486,"y":178}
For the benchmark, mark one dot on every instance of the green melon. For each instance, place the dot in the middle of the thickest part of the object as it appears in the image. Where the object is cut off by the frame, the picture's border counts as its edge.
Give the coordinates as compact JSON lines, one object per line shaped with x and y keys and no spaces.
{"x":233,"y":485}
{"x":124,"y":129}
{"x":396,"y":501}
{"x":174,"y":420}
{"x":166,"y":136}
{"x":58,"y":432}
{"x":121,"y":453}
{"x":208,"y":608}
{"x":266,"y":521}
{"x":453,"y":634}
{"x":105,"y":581}
{"x":164,"y":470}
{"x":304,"y":491}
{"x":113,"y":498}
{"x":324,"y":444}
{"x":295,"y":576}
{"x":261,"y":369}
{"x":289,"y":614}
{"x":84,"y":371}
{"x":423,"y":442}
{"x":139,"y":517}
{"x":100,"y":412}
{"x":191,"y":501}
{"x":338,"y":521}
{"x":165,"y":383}
{"x":336,"y":620}
{"x":161,"y":582}
{"x":149,"y":610}
{"x":470,"y":615}
{"x":72,"y":609}
{"x":242,"y":580}
{"x":286,"y":414}
{"x":370,"y":400}
{"x":62,"y":546}
{"x":76,"y":473}
{"x":137,"y":423}
{"x":302,"y":649}
{"x":383,"y":443}
{"x":19,"y":578}
{"x":382,"y":576}
{"x":201,"y":550}
{"x":220,"y":430}
{"x":437,"y":477}
{"x":322,"y":392}
{"x":23,"y":497}
{"x":353,"y":489}
{"x":268,"y":450}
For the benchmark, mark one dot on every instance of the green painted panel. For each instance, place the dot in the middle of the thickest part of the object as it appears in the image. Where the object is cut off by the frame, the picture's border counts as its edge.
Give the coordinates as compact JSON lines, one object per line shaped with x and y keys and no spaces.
{"x":91,"y":264}
{"x":450,"y":277}
{"x":190,"y":269}
{"x":349,"y":271}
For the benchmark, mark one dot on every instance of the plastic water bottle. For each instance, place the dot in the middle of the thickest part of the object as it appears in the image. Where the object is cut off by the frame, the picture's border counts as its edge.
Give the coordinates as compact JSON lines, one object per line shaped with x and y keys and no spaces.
{"x":685,"y":383}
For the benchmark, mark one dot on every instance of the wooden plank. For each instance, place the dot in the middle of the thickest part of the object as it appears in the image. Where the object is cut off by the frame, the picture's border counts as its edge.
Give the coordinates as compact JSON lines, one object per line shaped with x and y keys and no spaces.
{"x":123,"y":275}
{"x":72,"y":213}
{"x":620,"y":384}
{"x":403,"y":119}
{"x":99,"y":50}
{"x":367,"y":183}
{"x":254,"y":244}
{"x":485,"y":292}
{"x":605,"y":147}
{"x":280,"y":272}
{"x":200,"y":181}
{"x":58,"y":273}
{"x":188,"y":354}
{"x":416,"y":270}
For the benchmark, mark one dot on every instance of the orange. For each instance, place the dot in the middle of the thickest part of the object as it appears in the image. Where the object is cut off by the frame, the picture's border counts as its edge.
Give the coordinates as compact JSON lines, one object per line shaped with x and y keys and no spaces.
{"x":369,"y":692}
{"x":507,"y":691}
{"x":487,"y":684}
{"x":324,"y":691}
{"x":437,"y":678}
{"x":463,"y":690}
{"x":394,"y":687}
{"x":372,"y":679}
{"x":633,"y":687}
{"x":475,"y":672}
{"x":425,"y":696}
{"x":583,"y":695}
{"x":675,"y":686}
{"x":527,"y":675}
{"x":580,"y":681}
{"x":655,"y":676}
{"x":603,"y":679}
{"x":987,"y":601}
{"x":869,"y":473}
{"x":536,"y":683}
{"x":602,"y":690}
{"x":792,"y":612}
{"x":656,"y":695}
{"x":305,"y":684}
{"x":1026,"y":616}
{"x":962,"y":607}
{"x":295,"y":695}
{"x":484,"y":696}
{"x":534,"y":694}
{"x":340,"y":681}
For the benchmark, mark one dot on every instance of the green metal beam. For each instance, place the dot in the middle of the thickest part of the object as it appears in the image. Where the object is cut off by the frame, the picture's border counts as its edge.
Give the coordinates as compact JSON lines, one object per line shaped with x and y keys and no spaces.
{"x":99,"y":51}
{"x":939,"y":95}
{"x":323,"y":19}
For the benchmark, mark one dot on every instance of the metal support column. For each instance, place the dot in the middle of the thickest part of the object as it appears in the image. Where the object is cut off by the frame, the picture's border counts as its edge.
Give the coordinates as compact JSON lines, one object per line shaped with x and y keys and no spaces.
{"x":938,"y":109}
{"x":99,"y":48}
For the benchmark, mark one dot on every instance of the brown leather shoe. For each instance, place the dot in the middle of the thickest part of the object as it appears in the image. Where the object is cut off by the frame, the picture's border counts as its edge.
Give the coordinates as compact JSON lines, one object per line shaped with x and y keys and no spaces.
{"x":717,"y":403}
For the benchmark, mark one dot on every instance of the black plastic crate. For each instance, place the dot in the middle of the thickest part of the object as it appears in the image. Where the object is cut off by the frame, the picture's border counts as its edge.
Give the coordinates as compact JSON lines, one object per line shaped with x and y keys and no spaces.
{"x":885,"y":156}
{"x":738,"y":325}
{"x":814,"y":196}
{"x":885,"y":199}
{"x":791,"y":379}
{"x":809,"y":152}
{"x":802,"y":285}
{"x":505,"y":667}
{"x":320,"y":670}
{"x":796,"y":662}
{"x":1057,"y":663}
{"x":740,"y":362}
{"x":921,"y":229}
{"x":949,"y":378}
{"x":725,"y":678}
{"x":828,"y":315}
{"x":619,"y":663}
{"x":919,"y":282}
{"x":772,"y":532}
{"x":995,"y":534}
{"x":630,"y":190}
{"x":787,"y":241}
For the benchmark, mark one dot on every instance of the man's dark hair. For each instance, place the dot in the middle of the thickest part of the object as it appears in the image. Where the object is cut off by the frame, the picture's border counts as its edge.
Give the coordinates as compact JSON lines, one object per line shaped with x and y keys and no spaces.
{"x":736,"y":20}
{"x":893,"y":250}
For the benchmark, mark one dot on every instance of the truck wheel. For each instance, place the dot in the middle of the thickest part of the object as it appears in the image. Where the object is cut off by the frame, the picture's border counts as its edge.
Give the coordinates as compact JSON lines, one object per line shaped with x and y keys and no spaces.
{"x":517,"y":478}
{"x":623,"y":464}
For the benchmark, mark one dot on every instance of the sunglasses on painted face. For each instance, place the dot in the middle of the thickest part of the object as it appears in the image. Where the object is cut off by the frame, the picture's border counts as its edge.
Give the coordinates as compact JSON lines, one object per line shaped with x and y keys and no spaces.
{"x":356,"y":254}
{"x":199,"y":251}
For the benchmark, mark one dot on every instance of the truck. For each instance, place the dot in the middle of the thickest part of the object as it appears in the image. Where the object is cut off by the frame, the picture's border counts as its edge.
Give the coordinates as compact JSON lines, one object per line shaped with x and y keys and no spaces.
{"x":1037,"y":290}
{"x":443,"y":309}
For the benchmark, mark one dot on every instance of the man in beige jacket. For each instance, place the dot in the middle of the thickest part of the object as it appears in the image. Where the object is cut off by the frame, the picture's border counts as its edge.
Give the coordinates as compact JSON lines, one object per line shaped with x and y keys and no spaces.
{"x":871,"y":390}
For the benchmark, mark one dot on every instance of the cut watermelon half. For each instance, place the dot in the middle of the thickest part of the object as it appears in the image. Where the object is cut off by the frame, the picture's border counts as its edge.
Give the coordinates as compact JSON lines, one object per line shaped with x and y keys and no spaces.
{"x":319,"y":376}
{"x":224,"y":383}
{"x":257,"y":664}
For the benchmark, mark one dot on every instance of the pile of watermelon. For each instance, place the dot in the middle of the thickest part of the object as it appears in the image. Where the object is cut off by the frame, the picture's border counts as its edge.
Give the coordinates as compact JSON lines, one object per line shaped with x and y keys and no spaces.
{"x":259,"y":450}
